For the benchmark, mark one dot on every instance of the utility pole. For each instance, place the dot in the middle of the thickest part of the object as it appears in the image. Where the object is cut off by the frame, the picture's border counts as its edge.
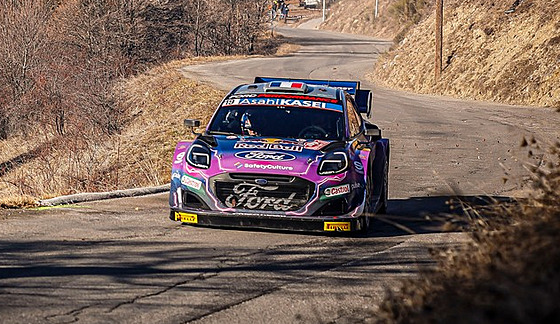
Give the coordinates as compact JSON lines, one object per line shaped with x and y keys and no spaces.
{"x":324,"y":8}
{"x":439,"y":35}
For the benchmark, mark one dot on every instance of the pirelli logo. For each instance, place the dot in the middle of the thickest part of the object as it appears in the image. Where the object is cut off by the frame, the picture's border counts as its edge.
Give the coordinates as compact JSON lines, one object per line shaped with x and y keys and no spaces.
{"x":337,"y":226}
{"x":186,"y":218}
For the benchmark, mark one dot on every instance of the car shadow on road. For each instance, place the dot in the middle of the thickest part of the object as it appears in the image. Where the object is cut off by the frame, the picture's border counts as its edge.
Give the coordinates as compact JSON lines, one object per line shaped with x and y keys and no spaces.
{"x":421,"y":215}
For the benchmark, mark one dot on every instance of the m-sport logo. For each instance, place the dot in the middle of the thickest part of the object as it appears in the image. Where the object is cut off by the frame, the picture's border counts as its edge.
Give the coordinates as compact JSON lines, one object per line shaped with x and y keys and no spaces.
{"x":265,"y":156}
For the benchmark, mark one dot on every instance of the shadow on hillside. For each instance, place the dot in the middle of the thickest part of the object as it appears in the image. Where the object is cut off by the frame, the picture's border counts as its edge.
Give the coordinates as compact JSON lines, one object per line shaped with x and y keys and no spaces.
{"x":13,"y":163}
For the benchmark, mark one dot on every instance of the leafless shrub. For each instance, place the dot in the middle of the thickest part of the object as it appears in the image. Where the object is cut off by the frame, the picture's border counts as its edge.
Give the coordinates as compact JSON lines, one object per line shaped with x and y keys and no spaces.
{"x":61,"y":64}
{"x":23,"y":26}
{"x":509,"y":274}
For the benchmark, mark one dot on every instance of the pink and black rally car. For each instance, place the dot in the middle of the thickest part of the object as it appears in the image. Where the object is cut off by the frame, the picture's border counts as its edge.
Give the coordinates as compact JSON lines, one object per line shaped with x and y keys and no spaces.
{"x":282,"y":153}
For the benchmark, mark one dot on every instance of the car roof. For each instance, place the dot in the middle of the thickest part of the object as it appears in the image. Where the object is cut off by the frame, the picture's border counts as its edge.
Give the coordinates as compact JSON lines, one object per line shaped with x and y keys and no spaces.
{"x":293,"y":88}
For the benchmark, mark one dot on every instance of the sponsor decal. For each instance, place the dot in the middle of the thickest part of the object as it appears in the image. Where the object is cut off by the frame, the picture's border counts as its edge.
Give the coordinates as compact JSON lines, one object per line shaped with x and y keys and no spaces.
{"x":337,"y":191}
{"x":315,"y":145}
{"x":176,"y":175}
{"x":280,"y":144}
{"x":298,"y":97}
{"x":270,"y":141}
{"x":265,"y":156}
{"x":253,"y":196}
{"x":267,"y":146}
{"x":359,"y":166}
{"x":337,"y":226}
{"x":281,"y":102}
{"x":356,"y":185}
{"x":267,"y":167}
{"x":238,"y":165}
{"x":248,"y":95}
{"x":191,"y":182}
{"x":180,"y":158}
{"x":186,"y":218}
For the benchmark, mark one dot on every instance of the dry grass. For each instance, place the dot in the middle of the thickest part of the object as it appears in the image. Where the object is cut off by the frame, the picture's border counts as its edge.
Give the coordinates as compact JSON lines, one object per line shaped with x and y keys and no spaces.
{"x":358,"y":17}
{"x":509,"y":274}
{"x":18,"y":202}
{"x":156,"y":103}
{"x":488,"y":54}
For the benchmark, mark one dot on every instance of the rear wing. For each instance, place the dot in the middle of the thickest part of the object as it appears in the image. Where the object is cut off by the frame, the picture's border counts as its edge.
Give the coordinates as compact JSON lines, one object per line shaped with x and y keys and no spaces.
{"x":362,"y":97}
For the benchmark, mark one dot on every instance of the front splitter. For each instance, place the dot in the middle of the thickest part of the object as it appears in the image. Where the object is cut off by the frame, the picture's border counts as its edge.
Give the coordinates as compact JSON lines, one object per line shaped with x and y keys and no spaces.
{"x":270,"y":222}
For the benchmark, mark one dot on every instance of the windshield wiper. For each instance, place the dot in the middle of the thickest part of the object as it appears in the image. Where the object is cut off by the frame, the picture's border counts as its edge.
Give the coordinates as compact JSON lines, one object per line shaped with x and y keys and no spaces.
{"x":211,"y":132}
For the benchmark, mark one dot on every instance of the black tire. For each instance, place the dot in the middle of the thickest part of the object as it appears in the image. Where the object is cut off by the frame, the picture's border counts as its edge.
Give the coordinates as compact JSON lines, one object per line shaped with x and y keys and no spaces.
{"x":365,"y":221}
{"x":369,"y":208}
{"x":385,"y":195}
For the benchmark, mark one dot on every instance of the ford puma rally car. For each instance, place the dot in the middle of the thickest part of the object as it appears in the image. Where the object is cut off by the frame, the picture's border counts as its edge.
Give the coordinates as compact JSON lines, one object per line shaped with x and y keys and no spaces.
{"x":284,"y":154}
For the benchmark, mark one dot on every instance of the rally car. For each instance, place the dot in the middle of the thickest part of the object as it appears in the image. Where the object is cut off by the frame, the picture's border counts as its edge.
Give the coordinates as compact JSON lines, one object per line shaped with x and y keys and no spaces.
{"x":283,"y":153}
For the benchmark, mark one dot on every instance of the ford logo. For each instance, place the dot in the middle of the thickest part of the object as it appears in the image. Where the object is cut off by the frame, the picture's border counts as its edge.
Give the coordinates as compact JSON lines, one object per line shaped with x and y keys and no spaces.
{"x":265,"y":156}
{"x":261,"y":182}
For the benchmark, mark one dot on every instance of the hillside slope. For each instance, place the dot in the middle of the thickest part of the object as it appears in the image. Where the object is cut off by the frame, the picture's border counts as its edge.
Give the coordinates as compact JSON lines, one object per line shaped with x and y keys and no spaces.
{"x":488,"y":54}
{"x":394,"y":17}
{"x":156,"y":103}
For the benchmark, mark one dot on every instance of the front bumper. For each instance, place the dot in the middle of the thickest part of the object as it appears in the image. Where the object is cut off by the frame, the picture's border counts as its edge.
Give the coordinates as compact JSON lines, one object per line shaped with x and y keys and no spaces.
{"x":271,"y":222}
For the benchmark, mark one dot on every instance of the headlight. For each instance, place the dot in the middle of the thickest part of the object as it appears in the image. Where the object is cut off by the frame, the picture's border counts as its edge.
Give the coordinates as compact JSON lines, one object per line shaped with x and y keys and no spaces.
{"x":332,"y":163}
{"x":199,"y":156}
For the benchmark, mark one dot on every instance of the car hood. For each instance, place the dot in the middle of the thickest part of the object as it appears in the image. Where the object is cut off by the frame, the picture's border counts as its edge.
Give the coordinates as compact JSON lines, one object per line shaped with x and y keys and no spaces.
{"x":266,"y":155}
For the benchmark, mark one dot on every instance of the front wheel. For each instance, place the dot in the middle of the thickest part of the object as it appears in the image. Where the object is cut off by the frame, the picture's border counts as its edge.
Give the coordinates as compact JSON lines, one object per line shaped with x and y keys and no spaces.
{"x":365,"y":222}
{"x":385,"y":193}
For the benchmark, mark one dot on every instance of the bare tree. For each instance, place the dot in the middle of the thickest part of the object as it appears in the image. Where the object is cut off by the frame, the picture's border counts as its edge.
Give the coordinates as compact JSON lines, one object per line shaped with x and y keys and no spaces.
{"x":23,"y":25}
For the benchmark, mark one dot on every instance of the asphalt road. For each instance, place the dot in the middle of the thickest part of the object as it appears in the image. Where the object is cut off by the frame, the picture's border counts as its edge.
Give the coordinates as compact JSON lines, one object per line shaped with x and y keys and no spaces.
{"x":124,"y":261}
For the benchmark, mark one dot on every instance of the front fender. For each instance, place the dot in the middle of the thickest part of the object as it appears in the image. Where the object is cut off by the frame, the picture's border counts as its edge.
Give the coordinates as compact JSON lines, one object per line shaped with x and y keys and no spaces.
{"x":177,"y":169}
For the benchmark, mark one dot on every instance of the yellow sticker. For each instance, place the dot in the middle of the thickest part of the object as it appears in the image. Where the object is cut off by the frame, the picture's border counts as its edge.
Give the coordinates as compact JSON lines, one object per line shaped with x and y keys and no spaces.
{"x":186,"y":218}
{"x":337,"y":226}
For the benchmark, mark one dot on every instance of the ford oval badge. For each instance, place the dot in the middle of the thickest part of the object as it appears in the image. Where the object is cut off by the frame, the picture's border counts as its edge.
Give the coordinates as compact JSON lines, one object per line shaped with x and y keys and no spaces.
{"x":261,"y":182}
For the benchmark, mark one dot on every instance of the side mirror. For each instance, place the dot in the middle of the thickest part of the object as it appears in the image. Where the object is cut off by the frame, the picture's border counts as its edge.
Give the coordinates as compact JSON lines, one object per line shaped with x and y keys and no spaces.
{"x":192,"y":123}
{"x":375,"y":132}
{"x":372,"y":132}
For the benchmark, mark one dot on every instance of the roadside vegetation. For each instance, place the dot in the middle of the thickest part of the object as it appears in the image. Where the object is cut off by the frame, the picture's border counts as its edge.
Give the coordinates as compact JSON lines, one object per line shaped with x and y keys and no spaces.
{"x":488,"y":54}
{"x":395,"y":17}
{"x":508,"y":274}
{"x":85,"y":102}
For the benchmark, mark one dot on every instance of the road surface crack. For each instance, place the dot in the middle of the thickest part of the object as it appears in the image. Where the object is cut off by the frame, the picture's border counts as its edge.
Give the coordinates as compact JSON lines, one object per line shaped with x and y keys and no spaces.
{"x":202,"y":276}
{"x":73,"y":313}
{"x":334,"y":267}
{"x":228,"y":306}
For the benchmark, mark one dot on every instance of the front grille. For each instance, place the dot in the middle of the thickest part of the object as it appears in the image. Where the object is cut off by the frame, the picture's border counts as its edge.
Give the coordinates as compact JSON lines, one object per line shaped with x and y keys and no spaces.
{"x":262,"y":191}
{"x":251,"y":177}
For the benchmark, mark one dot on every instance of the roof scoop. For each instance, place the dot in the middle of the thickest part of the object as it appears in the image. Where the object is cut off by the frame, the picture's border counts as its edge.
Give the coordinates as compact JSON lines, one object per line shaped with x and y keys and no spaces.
{"x":286,"y":86}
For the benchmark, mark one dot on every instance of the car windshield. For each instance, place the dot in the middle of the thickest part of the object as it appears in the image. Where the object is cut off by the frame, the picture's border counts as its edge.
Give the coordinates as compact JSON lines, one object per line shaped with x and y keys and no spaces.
{"x":277,"y":121}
